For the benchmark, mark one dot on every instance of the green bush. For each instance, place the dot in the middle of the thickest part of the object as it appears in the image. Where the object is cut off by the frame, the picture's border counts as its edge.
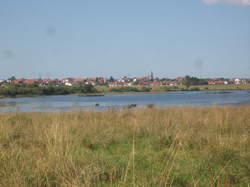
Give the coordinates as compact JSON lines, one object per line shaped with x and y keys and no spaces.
{"x":17,"y":90}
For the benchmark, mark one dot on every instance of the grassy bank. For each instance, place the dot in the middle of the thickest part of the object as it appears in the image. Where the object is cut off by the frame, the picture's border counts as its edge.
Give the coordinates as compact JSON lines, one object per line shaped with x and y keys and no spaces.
{"x":151,"y":147}
{"x":205,"y":87}
{"x":164,"y":89}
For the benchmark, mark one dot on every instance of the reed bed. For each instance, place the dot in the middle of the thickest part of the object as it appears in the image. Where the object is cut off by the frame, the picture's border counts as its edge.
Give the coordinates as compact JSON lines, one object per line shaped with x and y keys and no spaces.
{"x":149,"y":147}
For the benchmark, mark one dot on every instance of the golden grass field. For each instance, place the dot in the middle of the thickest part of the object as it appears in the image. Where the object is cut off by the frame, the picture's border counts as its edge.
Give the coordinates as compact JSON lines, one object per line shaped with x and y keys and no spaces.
{"x":149,"y":147}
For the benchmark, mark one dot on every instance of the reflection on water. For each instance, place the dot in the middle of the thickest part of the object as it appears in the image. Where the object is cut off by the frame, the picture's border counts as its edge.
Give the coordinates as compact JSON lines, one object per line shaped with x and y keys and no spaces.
{"x":169,"y":99}
{"x":10,"y":104}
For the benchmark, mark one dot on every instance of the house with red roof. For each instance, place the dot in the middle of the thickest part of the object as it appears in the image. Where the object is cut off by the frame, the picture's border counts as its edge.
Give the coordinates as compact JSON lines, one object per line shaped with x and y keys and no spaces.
{"x":32,"y":81}
{"x":18,"y":81}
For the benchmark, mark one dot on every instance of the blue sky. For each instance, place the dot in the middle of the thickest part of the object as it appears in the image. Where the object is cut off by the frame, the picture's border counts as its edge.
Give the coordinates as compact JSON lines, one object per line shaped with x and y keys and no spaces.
{"x":86,"y":38}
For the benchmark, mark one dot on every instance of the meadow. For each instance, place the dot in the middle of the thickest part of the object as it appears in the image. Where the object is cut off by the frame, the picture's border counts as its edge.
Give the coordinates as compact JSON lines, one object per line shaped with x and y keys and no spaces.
{"x":206,"y":146}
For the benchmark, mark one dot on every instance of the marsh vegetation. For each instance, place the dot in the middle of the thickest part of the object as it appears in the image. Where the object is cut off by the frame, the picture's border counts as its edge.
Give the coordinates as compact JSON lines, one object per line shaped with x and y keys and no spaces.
{"x":149,"y":147}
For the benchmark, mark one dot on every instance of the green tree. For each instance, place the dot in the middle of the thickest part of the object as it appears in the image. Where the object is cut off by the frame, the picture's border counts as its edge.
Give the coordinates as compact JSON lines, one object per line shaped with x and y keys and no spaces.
{"x":111,"y":79}
{"x":88,"y":88}
{"x":191,"y":81}
{"x":186,"y":81}
{"x":12,"y":78}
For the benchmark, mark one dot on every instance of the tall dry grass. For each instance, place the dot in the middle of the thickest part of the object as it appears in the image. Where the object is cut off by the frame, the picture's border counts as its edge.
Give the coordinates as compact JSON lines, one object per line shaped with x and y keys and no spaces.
{"x":151,"y":147}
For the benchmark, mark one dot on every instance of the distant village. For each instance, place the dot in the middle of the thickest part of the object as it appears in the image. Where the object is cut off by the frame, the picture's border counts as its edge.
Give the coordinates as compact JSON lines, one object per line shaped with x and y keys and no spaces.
{"x":148,"y":80}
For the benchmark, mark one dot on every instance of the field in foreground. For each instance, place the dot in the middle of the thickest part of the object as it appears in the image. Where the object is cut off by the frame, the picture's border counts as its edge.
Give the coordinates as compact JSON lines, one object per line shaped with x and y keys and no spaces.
{"x":151,"y":147}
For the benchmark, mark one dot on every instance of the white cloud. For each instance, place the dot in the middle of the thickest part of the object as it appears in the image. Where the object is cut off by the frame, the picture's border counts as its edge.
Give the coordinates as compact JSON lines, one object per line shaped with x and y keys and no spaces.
{"x":239,"y":2}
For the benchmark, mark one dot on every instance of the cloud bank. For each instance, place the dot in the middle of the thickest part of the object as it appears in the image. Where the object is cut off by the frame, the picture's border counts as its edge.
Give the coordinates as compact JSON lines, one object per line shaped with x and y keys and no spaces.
{"x":239,"y":2}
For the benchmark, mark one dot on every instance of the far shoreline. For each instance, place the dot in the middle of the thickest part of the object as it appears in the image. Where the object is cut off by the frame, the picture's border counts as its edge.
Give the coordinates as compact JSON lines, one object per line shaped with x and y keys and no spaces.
{"x":102,"y":91}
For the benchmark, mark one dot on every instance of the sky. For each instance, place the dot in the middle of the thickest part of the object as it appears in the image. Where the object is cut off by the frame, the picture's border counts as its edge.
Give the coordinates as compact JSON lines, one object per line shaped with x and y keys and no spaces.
{"x":89,"y":38}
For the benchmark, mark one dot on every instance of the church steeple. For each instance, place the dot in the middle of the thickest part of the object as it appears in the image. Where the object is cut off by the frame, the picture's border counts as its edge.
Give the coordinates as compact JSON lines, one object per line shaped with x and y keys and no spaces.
{"x":151,"y":76}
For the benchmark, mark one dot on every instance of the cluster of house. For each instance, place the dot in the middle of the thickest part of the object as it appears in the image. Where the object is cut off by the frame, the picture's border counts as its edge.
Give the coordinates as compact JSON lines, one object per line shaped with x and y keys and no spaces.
{"x":124,"y":81}
{"x":145,"y":81}
{"x":222,"y":81}
{"x":57,"y":82}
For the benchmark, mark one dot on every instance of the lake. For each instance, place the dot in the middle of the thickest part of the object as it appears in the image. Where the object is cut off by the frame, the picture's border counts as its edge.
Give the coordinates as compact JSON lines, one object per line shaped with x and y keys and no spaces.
{"x":169,"y":99}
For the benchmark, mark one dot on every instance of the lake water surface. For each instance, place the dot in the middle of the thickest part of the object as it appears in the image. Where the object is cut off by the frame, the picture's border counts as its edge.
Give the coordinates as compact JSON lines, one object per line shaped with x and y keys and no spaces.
{"x":170,"y":99}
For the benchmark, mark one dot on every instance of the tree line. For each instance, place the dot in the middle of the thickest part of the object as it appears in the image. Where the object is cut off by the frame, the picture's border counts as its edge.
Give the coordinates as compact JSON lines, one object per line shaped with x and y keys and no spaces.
{"x":193,"y":81}
{"x":34,"y":89}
